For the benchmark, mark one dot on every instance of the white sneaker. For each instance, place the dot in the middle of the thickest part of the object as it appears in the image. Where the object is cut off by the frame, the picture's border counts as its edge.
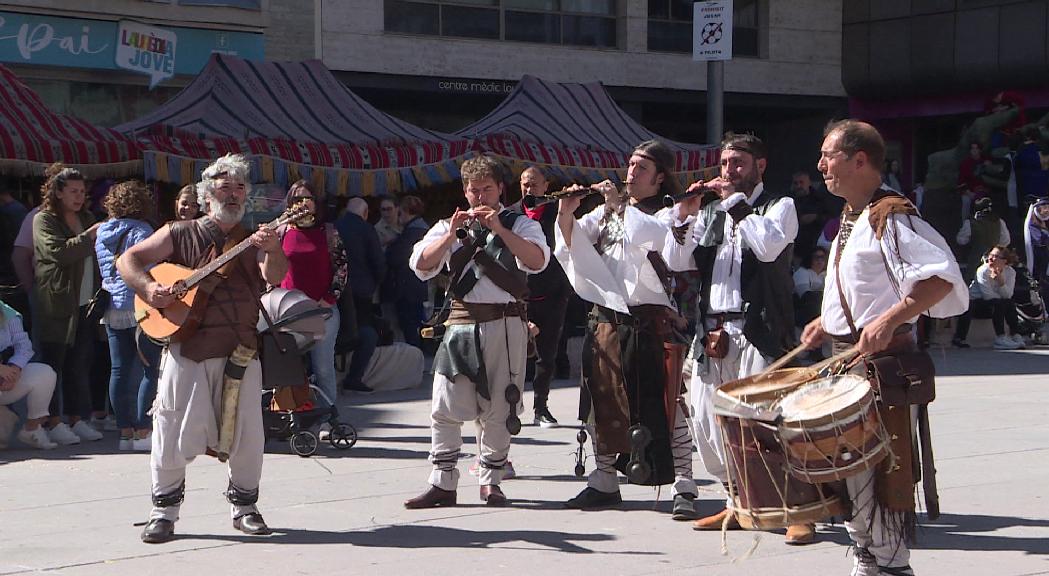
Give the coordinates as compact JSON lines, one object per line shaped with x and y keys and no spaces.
{"x":63,"y":435}
{"x":107,"y":424}
{"x":36,"y":439}
{"x":143,"y":444}
{"x":86,"y":432}
{"x":126,"y":444}
{"x":1005,"y":343}
{"x":1019,"y":339}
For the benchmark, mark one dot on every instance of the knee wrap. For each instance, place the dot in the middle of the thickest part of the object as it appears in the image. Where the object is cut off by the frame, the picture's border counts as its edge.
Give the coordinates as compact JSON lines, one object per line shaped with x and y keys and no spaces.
{"x":173,"y":498}
{"x":241,"y":497}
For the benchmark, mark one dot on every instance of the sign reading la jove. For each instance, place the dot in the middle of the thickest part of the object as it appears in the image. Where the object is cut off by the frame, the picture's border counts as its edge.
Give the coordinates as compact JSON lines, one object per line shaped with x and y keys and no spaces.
{"x":712,"y":30}
{"x":147,"y":50}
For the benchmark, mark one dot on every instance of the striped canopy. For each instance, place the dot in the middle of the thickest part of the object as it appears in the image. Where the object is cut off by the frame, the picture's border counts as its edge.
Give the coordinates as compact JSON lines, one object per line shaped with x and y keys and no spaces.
{"x":33,"y":137}
{"x":295,"y":120}
{"x":574,"y":130}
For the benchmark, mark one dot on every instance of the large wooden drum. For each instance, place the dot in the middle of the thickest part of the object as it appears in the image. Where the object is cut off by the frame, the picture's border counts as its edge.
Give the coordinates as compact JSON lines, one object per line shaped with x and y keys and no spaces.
{"x":764,"y":493}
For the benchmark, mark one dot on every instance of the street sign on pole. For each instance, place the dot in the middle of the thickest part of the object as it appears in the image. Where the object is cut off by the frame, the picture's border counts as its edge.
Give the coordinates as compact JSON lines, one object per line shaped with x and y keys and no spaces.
{"x":712,"y":30}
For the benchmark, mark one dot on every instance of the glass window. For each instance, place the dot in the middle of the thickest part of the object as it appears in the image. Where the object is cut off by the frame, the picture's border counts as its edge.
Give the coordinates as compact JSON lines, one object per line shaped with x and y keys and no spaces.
{"x":681,"y":10}
{"x":533,"y":5}
{"x":669,"y":36}
{"x":745,"y":42}
{"x":572,"y":22}
{"x":605,"y":7}
{"x":411,"y":17}
{"x":590,"y":31}
{"x":477,"y":2}
{"x":468,"y":22}
{"x":533,"y":27}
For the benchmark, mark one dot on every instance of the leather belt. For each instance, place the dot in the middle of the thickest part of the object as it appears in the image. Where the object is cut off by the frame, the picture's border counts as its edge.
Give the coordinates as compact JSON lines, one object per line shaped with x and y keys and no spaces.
{"x":471,"y":313}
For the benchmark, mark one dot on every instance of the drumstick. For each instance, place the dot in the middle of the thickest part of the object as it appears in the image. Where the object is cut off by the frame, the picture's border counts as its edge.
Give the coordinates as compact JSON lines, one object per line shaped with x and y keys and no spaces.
{"x":786,"y":358}
{"x":851,"y":352}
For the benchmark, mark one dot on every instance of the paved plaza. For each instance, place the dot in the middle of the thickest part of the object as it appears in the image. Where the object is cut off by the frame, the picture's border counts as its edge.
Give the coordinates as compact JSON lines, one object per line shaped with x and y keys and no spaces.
{"x":71,"y":511}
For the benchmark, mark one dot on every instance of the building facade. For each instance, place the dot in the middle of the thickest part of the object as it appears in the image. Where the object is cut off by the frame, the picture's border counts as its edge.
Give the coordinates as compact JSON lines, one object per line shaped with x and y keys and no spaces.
{"x":922,"y":70}
{"x":445,"y":63}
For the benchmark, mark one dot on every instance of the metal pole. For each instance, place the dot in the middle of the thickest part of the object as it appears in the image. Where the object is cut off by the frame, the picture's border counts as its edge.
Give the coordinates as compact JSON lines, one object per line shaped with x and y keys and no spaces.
{"x":715,"y":101}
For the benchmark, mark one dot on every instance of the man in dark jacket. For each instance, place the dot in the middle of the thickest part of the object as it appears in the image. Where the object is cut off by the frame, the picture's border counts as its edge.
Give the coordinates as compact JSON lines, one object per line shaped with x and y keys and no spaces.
{"x":402,"y":286}
{"x":549,"y":291}
{"x":367,"y":268}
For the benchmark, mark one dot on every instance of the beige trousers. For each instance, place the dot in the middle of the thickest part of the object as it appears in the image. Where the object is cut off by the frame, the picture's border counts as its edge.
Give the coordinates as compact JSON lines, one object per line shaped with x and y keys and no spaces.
{"x":503,"y":344}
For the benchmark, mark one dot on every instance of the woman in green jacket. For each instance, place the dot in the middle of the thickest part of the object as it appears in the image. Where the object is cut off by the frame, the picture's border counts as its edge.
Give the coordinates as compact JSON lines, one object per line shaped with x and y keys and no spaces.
{"x":66,"y":280}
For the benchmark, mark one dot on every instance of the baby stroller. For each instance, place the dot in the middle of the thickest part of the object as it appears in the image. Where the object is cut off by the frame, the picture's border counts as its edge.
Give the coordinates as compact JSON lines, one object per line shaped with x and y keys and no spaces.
{"x":288,"y":411}
{"x":1030,"y":309}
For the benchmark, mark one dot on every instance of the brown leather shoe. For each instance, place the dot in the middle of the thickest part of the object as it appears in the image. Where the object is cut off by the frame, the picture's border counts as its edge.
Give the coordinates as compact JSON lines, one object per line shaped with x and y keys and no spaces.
{"x":493,"y":496}
{"x":714,"y":522}
{"x":800,"y":534}
{"x":432,"y":498}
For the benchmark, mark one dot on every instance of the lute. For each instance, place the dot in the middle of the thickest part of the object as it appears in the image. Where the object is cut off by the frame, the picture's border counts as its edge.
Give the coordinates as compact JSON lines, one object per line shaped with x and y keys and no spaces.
{"x":178,"y":320}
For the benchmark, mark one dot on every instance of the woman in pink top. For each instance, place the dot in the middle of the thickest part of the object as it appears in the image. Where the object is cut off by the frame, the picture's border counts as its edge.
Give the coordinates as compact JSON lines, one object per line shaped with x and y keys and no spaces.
{"x":316,"y":266}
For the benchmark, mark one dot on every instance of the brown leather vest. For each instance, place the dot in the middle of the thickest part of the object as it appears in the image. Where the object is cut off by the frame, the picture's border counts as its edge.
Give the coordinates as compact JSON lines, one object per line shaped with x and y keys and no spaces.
{"x":232,"y":312}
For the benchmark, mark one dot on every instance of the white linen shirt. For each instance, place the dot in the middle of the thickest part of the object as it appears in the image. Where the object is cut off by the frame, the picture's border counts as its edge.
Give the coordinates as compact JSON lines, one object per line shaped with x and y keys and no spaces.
{"x":767,"y":236}
{"x":485,"y":291}
{"x":913,"y":254}
{"x":622,"y":276}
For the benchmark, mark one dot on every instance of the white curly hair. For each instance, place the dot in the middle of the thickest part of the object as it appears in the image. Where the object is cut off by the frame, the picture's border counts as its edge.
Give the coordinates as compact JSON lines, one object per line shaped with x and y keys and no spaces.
{"x":235,"y":166}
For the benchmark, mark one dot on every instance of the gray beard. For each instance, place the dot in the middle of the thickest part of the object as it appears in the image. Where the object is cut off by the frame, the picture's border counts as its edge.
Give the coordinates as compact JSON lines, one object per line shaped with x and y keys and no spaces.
{"x":224,"y":214}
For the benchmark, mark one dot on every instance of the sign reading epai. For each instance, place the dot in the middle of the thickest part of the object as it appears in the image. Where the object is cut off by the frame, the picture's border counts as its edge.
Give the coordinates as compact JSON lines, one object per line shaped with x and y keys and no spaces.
{"x":37,"y":39}
{"x":146,"y":49}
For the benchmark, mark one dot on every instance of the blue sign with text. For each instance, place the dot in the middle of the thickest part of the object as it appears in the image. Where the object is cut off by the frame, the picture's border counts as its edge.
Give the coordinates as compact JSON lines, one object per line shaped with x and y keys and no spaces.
{"x":102,"y":44}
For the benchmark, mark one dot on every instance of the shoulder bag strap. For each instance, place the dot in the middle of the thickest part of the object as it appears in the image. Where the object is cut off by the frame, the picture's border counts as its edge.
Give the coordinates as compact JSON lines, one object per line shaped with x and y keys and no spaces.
{"x":841,"y":293}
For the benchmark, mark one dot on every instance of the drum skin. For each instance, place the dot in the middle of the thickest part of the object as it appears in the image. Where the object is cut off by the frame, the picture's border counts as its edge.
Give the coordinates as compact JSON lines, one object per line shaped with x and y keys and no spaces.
{"x":831,"y":429}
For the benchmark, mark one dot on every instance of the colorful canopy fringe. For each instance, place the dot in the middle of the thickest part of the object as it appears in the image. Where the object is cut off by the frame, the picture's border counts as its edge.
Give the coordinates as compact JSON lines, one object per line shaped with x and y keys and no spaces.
{"x":32,"y":137}
{"x":574,"y":130}
{"x":294,"y":119}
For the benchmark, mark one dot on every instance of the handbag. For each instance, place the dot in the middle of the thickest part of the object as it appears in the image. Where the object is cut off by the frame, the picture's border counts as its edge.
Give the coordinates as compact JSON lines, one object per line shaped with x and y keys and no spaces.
{"x":716,"y":346}
{"x":903,"y":379}
{"x":99,"y":303}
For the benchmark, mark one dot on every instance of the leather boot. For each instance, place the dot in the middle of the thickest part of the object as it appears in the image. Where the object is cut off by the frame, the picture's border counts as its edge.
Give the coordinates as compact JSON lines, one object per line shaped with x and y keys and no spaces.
{"x":591,"y":498}
{"x":714,"y":522}
{"x":432,"y":498}
{"x":252,"y":524}
{"x":493,"y":496}
{"x":800,"y":534}
{"x":158,"y":531}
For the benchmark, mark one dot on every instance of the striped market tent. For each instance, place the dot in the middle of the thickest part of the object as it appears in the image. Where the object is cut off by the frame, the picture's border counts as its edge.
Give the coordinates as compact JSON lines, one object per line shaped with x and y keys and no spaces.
{"x":294,"y":120}
{"x":576,"y":132}
{"x":32,"y":137}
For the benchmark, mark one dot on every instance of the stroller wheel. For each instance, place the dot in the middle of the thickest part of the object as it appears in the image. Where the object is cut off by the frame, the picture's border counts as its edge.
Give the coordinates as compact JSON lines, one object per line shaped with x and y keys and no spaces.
{"x":303,"y":443}
{"x":343,"y":436}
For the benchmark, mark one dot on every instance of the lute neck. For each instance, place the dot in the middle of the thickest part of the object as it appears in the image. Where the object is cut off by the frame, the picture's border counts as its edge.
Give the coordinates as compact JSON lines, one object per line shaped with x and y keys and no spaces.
{"x":228,"y":255}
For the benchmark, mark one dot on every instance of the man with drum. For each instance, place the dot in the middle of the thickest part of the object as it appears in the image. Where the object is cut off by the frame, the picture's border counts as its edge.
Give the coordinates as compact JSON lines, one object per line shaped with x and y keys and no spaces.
{"x":740,"y":237}
{"x":479,"y":368}
{"x":630,"y":394}
{"x":887,"y":267}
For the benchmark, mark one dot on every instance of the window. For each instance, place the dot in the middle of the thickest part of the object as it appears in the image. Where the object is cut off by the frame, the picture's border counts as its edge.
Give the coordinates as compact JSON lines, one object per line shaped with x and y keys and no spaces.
{"x":568,"y":22}
{"x":670,"y":27}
